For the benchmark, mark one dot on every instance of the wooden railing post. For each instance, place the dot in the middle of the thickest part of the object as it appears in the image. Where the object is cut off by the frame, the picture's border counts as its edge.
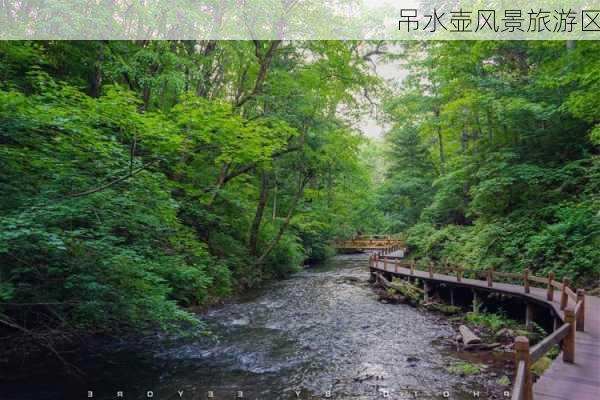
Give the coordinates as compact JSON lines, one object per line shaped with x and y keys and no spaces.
{"x":569,"y":340}
{"x":490,"y":277}
{"x":385,"y":260}
{"x":431,"y":270}
{"x":550,"y":293}
{"x":396,"y":265}
{"x":522,"y":354}
{"x":526,"y":280}
{"x":458,"y":275}
{"x":564,"y":297}
{"x":581,"y":312}
{"x":412,"y":267}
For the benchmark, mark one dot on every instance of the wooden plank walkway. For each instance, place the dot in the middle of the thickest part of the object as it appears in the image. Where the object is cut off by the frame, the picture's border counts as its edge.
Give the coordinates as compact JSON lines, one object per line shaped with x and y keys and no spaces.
{"x":581,"y":380}
{"x":562,"y":381}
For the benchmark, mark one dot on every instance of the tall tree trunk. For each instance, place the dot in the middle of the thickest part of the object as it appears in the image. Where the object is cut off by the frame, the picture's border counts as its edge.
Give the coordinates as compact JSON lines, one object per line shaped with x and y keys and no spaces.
{"x":275,"y":201}
{"x":464,"y":138}
{"x":258,"y":215}
{"x":220,"y":182}
{"x":490,"y":127}
{"x":96,"y":74}
{"x":146,"y":96}
{"x":264,"y":64}
{"x":301,"y":184}
{"x":440,"y":142}
{"x":206,"y":69}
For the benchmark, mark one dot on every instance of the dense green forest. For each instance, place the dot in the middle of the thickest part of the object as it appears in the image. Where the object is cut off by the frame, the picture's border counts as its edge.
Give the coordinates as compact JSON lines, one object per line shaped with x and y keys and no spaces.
{"x":493,"y":156}
{"x":141,"y":179}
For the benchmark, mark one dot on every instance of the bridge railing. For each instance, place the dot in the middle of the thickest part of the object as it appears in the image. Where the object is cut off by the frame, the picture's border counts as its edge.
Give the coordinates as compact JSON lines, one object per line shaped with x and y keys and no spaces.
{"x":574,"y":316}
{"x":384,"y":246}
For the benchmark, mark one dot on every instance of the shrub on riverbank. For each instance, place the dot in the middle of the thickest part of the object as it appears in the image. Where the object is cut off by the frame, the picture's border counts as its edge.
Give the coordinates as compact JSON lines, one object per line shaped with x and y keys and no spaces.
{"x":132,"y":191}
{"x":493,"y":157}
{"x":466,"y":368}
{"x":493,"y":321}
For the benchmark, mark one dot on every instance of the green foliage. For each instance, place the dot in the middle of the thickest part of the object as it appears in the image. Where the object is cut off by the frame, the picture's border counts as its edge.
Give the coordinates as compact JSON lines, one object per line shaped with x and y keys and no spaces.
{"x":541,"y":365}
{"x":286,"y":258}
{"x":131,"y":175}
{"x":465,"y":368}
{"x":413,"y":293}
{"x":503,"y":380}
{"x":494,"y":321}
{"x":510,"y":135}
{"x":406,"y":194}
{"x":553,"y":352}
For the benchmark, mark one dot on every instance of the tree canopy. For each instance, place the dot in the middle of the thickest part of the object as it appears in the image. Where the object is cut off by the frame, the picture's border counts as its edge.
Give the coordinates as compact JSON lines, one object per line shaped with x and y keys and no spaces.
{"x":142,"y":178}
{"x":494,"y":154}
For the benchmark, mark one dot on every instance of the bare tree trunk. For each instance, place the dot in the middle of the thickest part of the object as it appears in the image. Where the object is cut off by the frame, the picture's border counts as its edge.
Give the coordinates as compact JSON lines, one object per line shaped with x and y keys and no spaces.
{"x":260,"y":209}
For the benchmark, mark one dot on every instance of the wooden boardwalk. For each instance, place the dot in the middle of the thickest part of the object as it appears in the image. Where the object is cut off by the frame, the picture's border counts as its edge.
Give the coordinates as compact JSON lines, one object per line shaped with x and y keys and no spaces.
{"x":569,"y":381}
{"x":580,"y":380}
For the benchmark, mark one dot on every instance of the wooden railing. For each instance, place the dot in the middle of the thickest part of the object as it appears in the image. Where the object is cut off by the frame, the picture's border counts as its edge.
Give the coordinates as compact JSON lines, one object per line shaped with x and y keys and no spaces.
{"x":376,"y":237}
{"x":574,"y":317}
{"x":398,"y":245}
{"x":526,"y":356}
{"x":385,"y":246}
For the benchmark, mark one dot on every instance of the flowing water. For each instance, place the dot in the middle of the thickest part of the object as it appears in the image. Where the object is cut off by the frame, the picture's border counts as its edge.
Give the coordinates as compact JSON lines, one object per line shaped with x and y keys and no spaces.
{"x":323,"y":330}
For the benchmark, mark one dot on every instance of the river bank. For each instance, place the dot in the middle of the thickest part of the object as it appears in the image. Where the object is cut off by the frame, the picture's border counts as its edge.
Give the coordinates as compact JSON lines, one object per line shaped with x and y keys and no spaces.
{"x":323,"y":330}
